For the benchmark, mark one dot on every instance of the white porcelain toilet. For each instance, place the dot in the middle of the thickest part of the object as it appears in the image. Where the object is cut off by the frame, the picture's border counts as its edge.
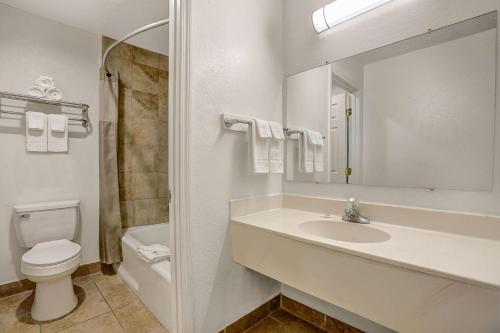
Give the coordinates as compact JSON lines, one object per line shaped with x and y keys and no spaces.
{"x":48,"y":228}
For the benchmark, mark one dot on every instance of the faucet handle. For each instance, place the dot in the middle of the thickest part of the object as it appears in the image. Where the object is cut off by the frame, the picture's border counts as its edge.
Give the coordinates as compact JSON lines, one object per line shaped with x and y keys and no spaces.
{"x":352,"y":204}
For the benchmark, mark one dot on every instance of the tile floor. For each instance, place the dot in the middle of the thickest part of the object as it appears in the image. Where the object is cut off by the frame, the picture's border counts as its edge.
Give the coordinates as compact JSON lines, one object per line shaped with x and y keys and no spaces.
{"x":106,"y":305}
{"x":282,"y":321}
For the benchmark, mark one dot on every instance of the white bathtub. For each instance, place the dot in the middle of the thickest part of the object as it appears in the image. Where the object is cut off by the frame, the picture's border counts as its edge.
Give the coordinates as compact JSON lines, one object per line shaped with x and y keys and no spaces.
{"x":151,"y":282}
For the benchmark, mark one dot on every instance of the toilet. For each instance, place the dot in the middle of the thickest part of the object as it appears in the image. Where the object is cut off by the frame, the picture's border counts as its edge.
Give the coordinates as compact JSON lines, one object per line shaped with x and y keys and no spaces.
{"x":48,"y":228}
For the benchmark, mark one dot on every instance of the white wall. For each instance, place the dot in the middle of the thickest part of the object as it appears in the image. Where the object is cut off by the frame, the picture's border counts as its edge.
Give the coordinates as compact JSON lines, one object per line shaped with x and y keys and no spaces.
{"x":236,"y":67}
{"x":31,"y":46}
{"x":428,"y":116}
{"x":109,"y":18}
{"x":392,"y":22}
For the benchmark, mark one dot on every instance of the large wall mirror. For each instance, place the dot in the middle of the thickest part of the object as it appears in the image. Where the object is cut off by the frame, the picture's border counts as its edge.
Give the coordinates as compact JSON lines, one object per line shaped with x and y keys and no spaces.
{"x":416,"y":113}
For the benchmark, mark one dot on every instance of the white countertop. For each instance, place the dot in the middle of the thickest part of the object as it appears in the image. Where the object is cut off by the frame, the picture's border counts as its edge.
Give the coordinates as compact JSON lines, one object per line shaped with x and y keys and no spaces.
{"x":466,"y":259}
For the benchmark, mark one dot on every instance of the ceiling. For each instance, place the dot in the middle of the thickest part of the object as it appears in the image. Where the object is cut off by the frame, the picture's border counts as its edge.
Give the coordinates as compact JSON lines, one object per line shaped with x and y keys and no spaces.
{"x":113,"y":18}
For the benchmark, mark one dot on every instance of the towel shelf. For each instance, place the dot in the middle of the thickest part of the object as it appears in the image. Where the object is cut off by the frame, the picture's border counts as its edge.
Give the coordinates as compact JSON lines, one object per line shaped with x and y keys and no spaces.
{"x":84,"y":119}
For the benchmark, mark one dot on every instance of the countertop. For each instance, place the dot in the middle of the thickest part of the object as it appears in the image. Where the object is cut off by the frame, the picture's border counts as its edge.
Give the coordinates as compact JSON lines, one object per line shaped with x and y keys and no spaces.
{"x":466,"y":259}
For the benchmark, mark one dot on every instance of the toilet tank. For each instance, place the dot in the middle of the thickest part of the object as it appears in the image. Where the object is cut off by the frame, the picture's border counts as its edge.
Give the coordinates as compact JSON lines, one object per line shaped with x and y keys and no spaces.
{"x":46,"y":221}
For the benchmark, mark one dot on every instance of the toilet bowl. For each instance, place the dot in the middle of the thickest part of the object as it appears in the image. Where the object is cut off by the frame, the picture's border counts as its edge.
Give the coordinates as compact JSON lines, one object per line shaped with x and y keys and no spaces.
{"x":50,"y":265}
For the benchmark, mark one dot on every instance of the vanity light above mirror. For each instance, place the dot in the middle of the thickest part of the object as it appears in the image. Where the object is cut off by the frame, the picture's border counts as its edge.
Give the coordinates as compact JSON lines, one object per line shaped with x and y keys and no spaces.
{"x":340,"y":11}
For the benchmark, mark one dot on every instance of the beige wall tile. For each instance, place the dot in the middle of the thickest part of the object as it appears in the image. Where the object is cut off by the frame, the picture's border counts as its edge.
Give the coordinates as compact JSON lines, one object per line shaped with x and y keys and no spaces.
{"x":146,"y":211}
{"x":163,"y":160}
{"x":163,"y":62}
{"x":163,"y":96}
{"x":163,"y":210}
{"x":146,"y":57}
{"x":122,"y":50}
{"x":127,"y":188}
{"x":145,"y":78}
{"x":145,"y":105}
{"x":125,"y":103}
{"x":163,"y":185}
{"x":124,"y":68}
{"x":127,"y":212}
{"x":146,"y":185}
{"x":163,"y":133}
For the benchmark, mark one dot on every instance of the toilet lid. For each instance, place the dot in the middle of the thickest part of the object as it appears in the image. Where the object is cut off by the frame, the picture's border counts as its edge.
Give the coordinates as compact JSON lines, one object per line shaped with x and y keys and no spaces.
{"x":51,"y":253}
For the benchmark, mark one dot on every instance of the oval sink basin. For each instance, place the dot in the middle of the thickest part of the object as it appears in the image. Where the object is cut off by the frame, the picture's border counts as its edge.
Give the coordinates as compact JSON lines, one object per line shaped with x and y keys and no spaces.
{"x":344,"y":231}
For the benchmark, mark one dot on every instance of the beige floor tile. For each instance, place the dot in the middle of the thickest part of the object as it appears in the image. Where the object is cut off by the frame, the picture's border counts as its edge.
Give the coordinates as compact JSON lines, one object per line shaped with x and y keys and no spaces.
{"x":268,"y":325}
{"x":84,"y":284}
{"x":136,"y":318}
{"x":16,"y":304}
{"x":18,"y":324}
{"x":91,"y":305}
{"x":116,"y":293}
{"x":105,"y":323}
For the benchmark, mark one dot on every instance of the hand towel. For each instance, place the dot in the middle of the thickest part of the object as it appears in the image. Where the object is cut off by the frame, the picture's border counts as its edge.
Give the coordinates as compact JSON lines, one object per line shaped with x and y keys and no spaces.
{"x":36,"y":91}
{"x":258,"y":151}
{"x":36,"y":131}
{"x":54,"y":94}
{"x":45,"y":82}
{"x":277,"y":130}
{"x":276,"y":148}
{"x":153,"y":253}
{"x":57,"y":139}
{"x":316,"y":140}
{"x":263,"y":129}
{"x":306,"y":154}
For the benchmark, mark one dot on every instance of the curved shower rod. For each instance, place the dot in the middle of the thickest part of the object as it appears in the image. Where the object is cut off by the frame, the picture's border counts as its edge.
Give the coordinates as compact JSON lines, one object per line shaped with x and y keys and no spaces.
{"x":132,"y":34}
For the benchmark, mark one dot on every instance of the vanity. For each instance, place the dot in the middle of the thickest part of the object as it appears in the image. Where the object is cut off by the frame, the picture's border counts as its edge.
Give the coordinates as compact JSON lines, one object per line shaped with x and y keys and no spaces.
{"x":410,"y":270}
{"x":417,"y":118}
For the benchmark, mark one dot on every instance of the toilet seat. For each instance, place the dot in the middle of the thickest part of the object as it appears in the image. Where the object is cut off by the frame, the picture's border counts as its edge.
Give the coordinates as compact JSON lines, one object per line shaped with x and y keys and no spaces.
{"x":51,"y":258}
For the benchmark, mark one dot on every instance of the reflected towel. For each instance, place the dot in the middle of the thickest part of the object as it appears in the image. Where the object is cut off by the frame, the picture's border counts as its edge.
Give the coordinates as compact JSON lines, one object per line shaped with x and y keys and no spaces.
{"x":37,"y":92}
{"x":316,"y":140}
{"x":306,"y":154}
{"x":153,"y":253}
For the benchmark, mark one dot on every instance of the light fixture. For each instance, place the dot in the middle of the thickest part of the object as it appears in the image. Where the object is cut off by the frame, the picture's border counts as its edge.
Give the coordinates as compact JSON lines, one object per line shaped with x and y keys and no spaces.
{"x":340,"y":11}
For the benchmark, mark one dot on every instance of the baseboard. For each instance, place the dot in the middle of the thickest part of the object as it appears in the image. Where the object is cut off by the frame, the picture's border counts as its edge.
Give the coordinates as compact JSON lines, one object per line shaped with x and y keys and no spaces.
{"x":17,"y":287}
{"x":319,"y":320}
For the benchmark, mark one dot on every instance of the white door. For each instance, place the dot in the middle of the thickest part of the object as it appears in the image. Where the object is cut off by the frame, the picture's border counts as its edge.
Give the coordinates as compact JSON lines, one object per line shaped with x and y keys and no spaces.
{"x":338,"y":137}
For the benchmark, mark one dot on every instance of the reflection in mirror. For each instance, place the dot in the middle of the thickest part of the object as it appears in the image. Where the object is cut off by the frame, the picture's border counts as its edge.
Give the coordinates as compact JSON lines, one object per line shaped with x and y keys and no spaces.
{"x":416,"y":113}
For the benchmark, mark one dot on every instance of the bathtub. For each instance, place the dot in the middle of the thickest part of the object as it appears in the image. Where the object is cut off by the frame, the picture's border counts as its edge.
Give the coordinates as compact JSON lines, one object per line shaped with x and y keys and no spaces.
{"x":151,"y":282}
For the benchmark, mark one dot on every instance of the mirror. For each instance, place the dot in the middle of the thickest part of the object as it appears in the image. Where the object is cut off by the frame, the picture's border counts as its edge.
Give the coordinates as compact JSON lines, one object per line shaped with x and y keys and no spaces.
{"x":416,"y":113}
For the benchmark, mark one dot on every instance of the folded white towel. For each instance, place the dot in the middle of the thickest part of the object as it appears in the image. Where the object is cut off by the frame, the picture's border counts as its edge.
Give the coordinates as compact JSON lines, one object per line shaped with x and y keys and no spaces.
{"x":316,"y":140}
{"x":36,"y":91}
{"x":36,"y":131}
{"x":58,"y":133}
{"x":277,"y":130}
{"x":153,"y":253}
{"x":36,"y":120}
{"x":263,"y":129}
{"x":45,"y":82}
{"x":258,"y":151}
{"x":54,"y":94}
{"x":306,"y":154}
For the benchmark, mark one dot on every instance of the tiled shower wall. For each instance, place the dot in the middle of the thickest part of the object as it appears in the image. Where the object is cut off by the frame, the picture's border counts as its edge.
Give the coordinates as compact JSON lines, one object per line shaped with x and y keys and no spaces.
{"x":142,"y":134}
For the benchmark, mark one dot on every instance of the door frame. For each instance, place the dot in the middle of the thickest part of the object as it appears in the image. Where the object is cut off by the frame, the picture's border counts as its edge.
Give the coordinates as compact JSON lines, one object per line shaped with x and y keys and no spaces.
{"x":179,"y":166}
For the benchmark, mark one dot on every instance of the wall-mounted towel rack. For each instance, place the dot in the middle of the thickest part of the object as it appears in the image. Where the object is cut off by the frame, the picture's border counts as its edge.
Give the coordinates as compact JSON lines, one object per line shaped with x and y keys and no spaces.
{"x":238,"y":123}
{"x":84,"y":119}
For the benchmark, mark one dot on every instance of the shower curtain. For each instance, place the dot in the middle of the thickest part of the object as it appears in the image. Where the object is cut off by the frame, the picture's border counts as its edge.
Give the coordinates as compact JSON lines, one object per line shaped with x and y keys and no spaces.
{"x":110,"y":222}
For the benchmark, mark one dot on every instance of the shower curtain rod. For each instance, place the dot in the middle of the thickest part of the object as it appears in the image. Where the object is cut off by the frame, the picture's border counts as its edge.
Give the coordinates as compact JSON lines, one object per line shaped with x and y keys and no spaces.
{"x":132,"y":34}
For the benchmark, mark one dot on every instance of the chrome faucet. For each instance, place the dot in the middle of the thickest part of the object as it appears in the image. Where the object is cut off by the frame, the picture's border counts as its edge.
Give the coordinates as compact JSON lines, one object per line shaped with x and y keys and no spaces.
{"x":351,"y":213}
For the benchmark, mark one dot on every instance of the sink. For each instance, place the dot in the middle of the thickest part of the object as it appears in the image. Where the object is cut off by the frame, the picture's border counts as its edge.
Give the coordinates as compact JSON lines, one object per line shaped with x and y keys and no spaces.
{"x":344,"y":231}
